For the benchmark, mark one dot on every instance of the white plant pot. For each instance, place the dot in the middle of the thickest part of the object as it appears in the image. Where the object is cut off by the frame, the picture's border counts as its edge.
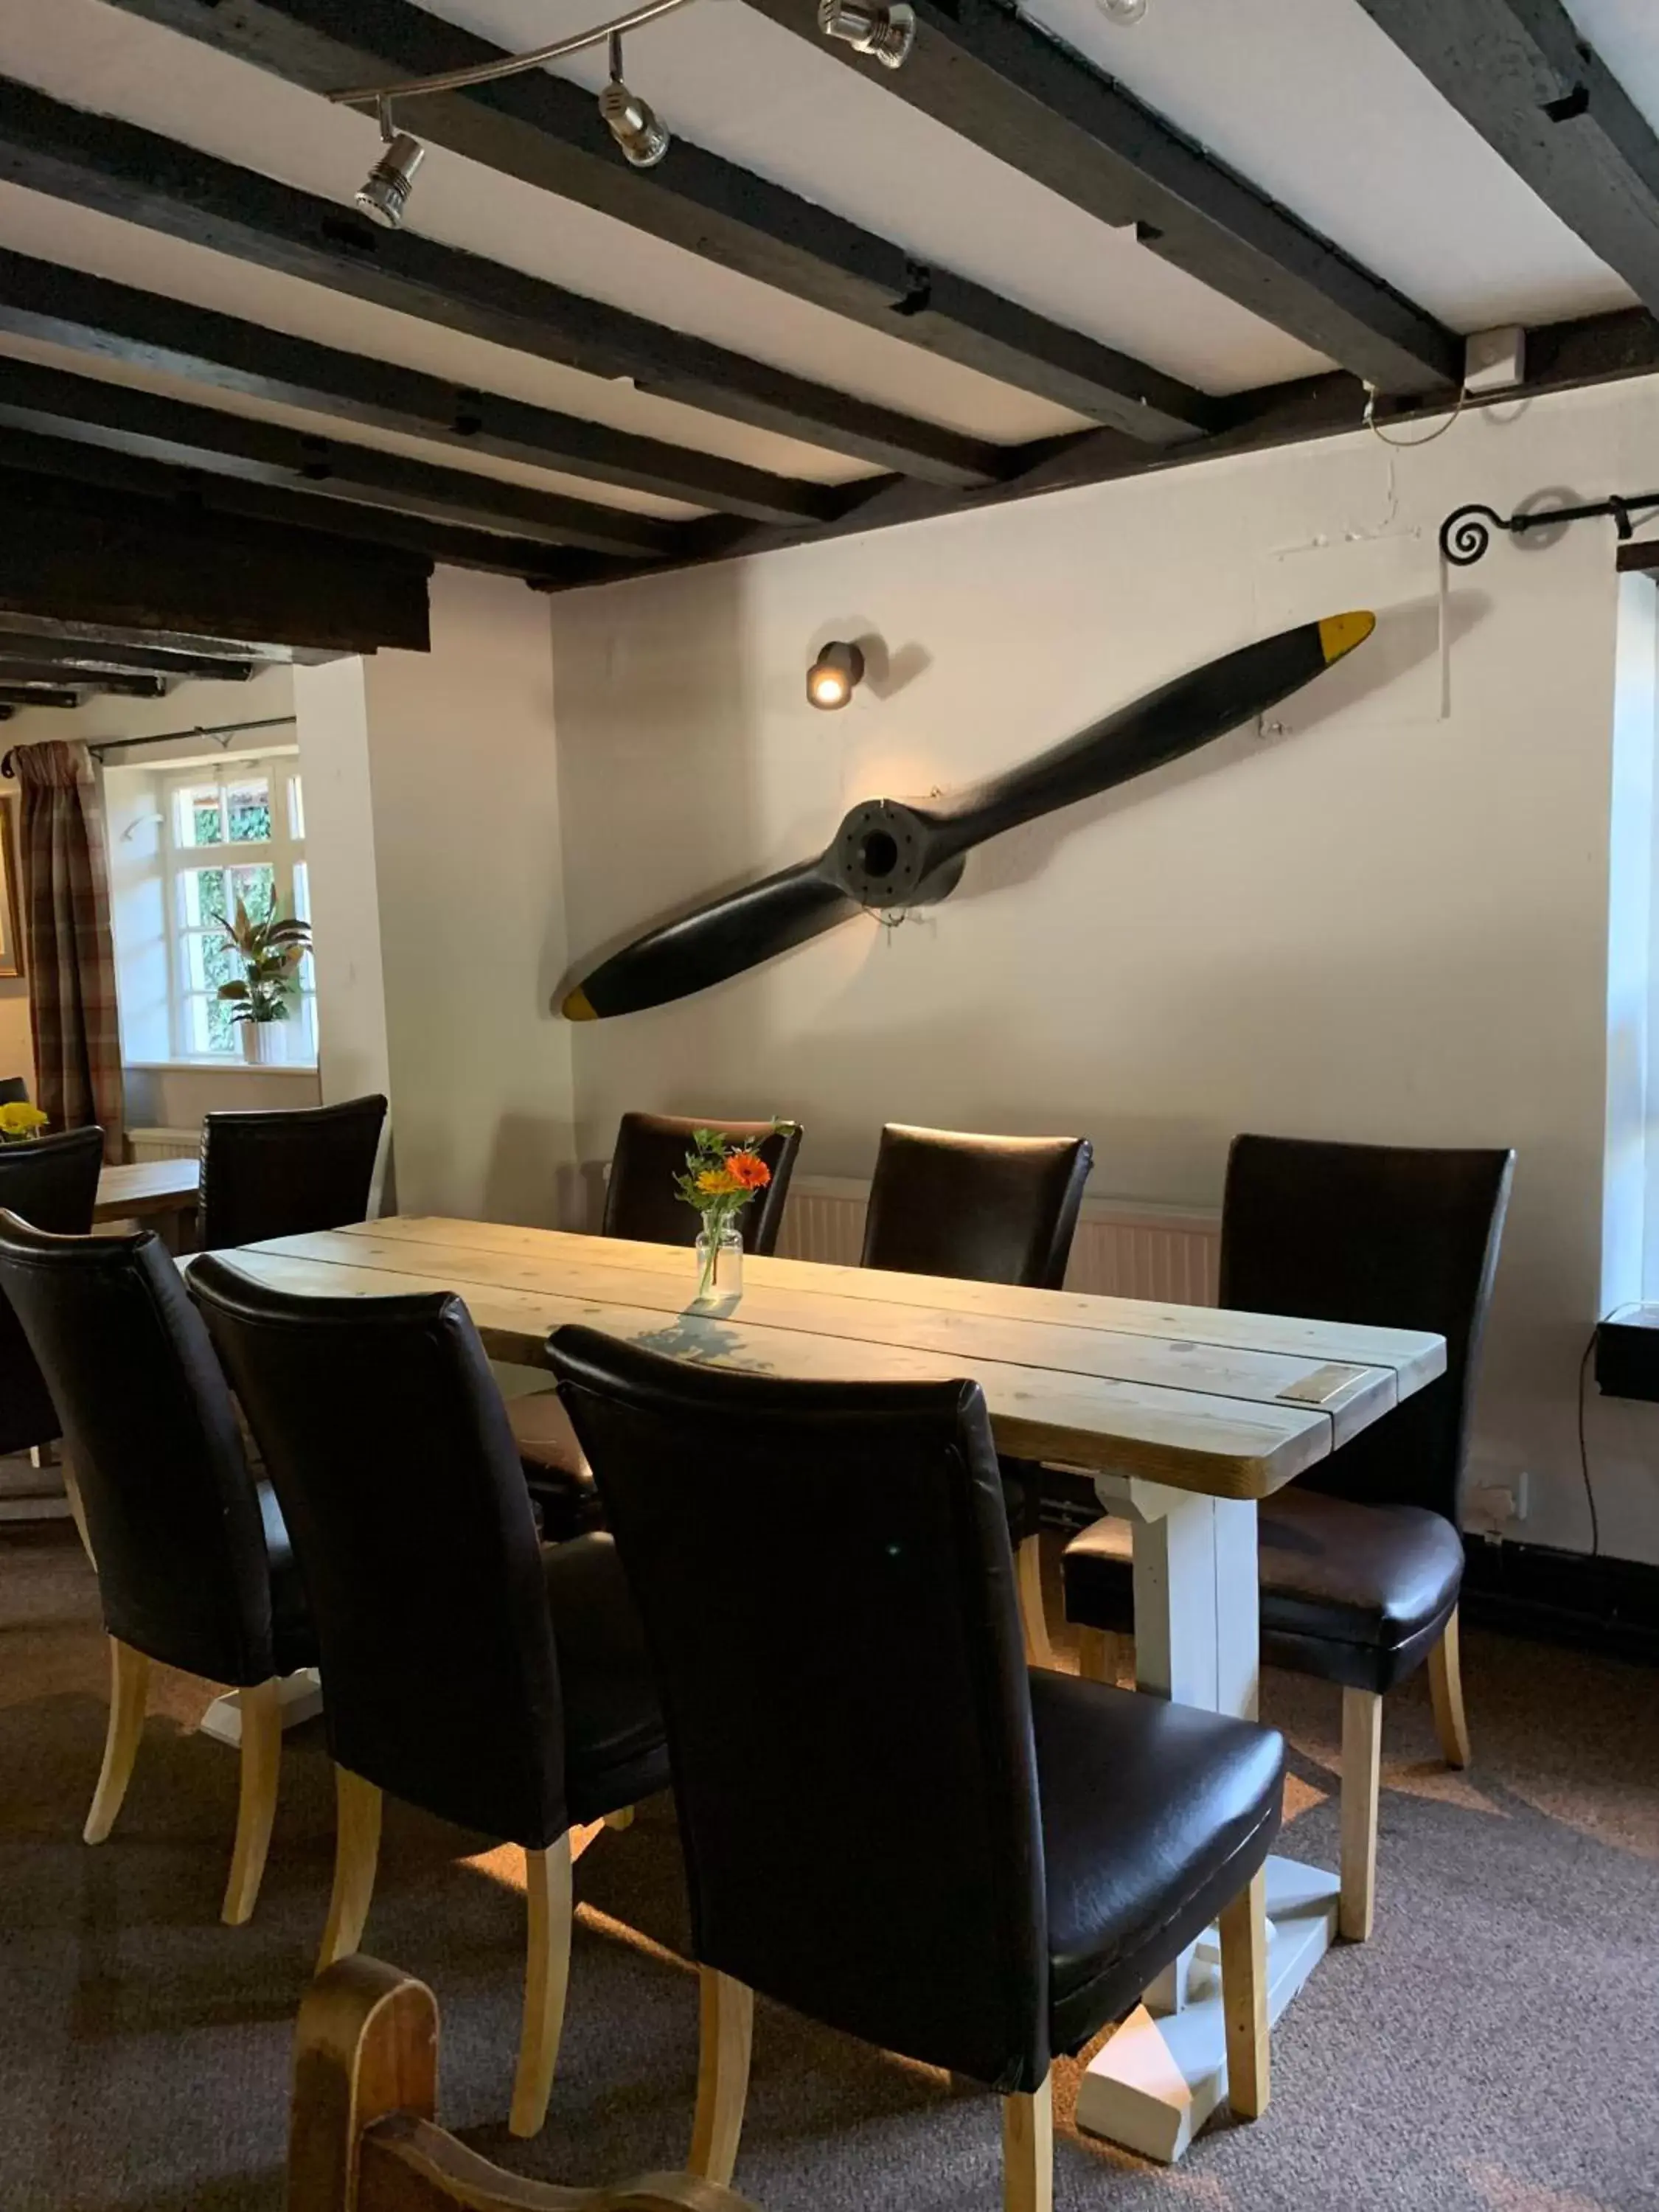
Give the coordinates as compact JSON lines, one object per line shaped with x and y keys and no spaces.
{"x":263,"y":1043}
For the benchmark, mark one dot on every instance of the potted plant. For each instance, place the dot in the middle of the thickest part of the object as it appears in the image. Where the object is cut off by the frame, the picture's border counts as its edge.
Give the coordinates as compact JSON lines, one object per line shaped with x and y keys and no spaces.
{"x":271,"y":950}
{"x":20,"y":1122}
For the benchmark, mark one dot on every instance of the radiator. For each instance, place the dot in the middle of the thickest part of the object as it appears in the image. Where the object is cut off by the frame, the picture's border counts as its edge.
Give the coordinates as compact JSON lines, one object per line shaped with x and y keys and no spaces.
{"x":1124,"y":1247}
{"x":164,"y":1144}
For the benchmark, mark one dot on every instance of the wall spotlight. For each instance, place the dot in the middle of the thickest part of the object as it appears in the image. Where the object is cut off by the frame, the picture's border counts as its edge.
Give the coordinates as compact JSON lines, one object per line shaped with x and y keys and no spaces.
{"x":835,"y":676}
{"x":1123,"y":11}
{"x":888,"y":33}
{"x":386,"y":190}
{"x":631,"y":121}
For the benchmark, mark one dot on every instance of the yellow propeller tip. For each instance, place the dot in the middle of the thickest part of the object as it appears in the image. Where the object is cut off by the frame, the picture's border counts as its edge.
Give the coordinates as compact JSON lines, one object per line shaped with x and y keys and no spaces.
{"x":577,"y":1008}
{"x":1340,"y":634}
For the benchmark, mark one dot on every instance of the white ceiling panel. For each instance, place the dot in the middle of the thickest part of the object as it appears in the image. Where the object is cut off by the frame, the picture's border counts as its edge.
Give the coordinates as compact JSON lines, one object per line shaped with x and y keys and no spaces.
{"x":1320,"y":109}
{"x":725,"y":78}
{"x":1626,"y":34}
{"x":99,"y":58}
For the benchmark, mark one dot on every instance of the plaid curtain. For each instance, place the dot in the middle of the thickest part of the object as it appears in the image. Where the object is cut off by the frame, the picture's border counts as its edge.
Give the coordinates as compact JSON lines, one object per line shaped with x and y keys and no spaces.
{"x":68,"y":952}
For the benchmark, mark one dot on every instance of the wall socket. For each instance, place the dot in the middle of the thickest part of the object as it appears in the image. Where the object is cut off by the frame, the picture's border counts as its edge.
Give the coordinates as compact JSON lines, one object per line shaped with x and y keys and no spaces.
{"x":1492,"y":1508}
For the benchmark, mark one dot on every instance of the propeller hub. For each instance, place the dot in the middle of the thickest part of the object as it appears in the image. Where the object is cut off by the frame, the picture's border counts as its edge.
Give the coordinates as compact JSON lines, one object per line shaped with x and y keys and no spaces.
{"x":883,"y":854}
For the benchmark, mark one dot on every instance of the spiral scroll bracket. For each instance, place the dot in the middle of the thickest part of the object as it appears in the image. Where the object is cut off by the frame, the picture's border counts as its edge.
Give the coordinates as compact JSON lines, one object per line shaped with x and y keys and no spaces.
{"x":1466,"y":534}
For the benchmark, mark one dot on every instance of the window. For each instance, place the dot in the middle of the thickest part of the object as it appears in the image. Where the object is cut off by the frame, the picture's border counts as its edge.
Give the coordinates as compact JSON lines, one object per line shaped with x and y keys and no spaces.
{"x":186,"y":846}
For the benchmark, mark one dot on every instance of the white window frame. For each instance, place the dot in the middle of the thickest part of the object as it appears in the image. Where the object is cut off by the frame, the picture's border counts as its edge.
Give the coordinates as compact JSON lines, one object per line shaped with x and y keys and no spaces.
{"x":283,"y":851}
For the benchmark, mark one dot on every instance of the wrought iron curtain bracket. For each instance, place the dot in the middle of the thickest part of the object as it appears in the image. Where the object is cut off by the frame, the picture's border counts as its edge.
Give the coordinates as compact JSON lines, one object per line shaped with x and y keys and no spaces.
{"x":1466,"y":533}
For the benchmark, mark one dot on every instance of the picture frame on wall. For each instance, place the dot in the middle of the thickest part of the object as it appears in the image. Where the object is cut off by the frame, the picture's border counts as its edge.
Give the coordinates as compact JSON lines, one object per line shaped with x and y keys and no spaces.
{"x":11,"y":926}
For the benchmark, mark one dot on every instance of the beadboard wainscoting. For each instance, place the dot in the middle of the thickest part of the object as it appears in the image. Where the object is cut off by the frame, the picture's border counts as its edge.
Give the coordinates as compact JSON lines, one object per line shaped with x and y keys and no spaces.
{"x":164,"y":1144}
{"x":1124,"y":1247}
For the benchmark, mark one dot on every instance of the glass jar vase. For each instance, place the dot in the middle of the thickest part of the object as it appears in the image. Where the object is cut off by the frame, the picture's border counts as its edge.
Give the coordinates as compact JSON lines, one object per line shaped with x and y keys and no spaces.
{"x":720,"y":1265}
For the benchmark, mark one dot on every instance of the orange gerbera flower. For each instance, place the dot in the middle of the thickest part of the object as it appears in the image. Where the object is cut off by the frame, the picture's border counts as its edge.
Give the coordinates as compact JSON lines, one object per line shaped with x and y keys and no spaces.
{"x":747,"y":1171}
{"x":719,"y":1182}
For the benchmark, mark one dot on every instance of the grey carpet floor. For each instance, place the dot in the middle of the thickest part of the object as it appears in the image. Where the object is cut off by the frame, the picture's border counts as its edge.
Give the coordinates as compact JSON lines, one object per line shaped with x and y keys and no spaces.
{"x":1495,"y":2047}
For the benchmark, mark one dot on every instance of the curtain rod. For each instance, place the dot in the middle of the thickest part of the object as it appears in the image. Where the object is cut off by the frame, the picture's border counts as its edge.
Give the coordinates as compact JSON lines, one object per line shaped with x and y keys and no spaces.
{"x":221,"y":732}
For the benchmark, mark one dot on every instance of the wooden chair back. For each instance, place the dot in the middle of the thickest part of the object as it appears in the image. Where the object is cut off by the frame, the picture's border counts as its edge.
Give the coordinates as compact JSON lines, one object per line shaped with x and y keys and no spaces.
{"x":363,"y":2136}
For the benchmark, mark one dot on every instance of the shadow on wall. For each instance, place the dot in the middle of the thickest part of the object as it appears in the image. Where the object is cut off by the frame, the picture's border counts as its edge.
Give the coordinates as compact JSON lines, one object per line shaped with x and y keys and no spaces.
{"x":527,"y":1176}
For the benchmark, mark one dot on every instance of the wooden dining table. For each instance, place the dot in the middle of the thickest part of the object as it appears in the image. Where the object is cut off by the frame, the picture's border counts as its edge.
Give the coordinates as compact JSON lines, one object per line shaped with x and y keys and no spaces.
{"x":161,"y":1195}
{"x":1186,"y":1416}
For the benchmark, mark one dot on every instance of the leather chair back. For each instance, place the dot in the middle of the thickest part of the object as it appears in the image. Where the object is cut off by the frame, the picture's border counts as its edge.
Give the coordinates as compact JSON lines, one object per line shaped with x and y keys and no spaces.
{"x":640,"y":1199}
{"x":171,"y":1508}
{"x":51,"y":1182}
{"x":824,"y":1577}
{"x":984,"y":1209}
{"x":14,"y":1090}
{"x":288,"y":1173}
{"x":1394,"y":1236}
{"x":386,"y":1439}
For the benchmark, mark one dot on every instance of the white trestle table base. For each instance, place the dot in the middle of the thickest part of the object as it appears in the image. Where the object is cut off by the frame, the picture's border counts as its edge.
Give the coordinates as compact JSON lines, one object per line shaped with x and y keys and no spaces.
{"x":300,"y":1698}
{"x":1155,"y":2082}
{"x":1152,"y":2085}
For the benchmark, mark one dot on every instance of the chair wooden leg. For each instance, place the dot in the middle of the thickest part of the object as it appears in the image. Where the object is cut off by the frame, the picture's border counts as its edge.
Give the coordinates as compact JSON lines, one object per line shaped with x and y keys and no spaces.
{"x":622,"y":1818}
{"x":1361,"y":1755}
{"x":1244,"y":1999}
{"x":262,"y":1761}
{"x":547,"y":1977}
{"x":1034,"y":1618}
{"x":77,"y":1511}
{"x":366,"y":2046}
{"x":726,"y":2025}
{"x":1446,"y":1689}
{"x":1028,"y":2150}
{"x":129,"y":1684}
{"x":356,"y":1852}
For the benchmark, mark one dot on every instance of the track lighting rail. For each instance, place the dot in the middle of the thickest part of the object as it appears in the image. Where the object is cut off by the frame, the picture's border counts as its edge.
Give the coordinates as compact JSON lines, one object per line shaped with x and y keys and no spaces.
{"x":414,"y":88}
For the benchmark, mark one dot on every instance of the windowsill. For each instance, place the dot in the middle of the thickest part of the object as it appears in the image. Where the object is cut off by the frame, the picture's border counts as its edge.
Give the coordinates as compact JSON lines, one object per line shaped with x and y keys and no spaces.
{"x":217,"y":1067}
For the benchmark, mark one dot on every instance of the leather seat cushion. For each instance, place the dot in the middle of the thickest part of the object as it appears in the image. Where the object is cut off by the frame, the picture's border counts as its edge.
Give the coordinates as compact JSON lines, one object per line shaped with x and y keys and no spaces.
{"x":1356,"y":1594}
{"x":1154,"y":1816}
{"x":292,"y":1639}
{"x":555,"y":1467}
{"x":614,"y":1749}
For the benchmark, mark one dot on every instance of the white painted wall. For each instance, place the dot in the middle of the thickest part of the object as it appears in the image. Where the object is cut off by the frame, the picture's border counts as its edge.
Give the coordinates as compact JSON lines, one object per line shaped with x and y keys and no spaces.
{"x":1387,"y":922}
{"x":432,"y":813}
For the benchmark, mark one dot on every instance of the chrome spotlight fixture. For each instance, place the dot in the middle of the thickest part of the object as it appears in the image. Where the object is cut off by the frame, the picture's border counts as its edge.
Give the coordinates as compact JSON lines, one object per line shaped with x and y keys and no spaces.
{"x":1123,"y":11}
{"x":631,"y":121}
{"x":835,"y":675}
{"x":386,"y":190}
{"x":887,"y":32}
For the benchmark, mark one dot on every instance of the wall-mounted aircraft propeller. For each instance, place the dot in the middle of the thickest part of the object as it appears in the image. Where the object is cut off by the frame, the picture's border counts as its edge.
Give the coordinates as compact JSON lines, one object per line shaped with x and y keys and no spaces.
{"x":890,"y":853}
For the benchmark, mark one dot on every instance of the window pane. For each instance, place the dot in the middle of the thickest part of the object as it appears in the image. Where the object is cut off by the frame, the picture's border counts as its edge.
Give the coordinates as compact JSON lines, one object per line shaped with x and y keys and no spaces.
{"x":248,"y":809}
{"x":199,"y":817}
{"x":208,"y":1026}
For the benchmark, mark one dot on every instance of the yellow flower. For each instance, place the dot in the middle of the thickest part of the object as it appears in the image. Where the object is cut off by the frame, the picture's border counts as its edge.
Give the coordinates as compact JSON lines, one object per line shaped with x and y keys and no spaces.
{"x":19,"y":1119}
{"x":718,"y":1183}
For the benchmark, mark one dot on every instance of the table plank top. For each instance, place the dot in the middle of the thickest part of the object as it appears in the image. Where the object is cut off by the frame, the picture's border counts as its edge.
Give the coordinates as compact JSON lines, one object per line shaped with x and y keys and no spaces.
{"x":146,"y":1186}
{"x":1232,"y":1404}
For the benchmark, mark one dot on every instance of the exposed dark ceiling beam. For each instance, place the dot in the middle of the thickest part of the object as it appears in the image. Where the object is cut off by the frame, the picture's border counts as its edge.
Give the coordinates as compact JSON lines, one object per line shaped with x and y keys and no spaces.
{"x":100,"y":162}
{"x":65,"y":631}
{"x":193,"y":491}
{"x":43,"y":697}
{"x":102,"y":659}
{"x":74,"y":553}
{"x":39,"y":300}
{"x":998,"y":79}
{"x":1561,"y":357}
{"x":98,"y":412}
{"x":33,"y":674}
{"x":549,"y":132}
{"x":1539,"y":93}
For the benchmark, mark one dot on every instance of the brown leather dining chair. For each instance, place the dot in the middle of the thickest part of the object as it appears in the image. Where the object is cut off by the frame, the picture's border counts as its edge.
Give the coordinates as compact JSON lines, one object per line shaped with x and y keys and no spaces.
{"x":51,"y":1182}
{"x":287,"y":1173}
{"x":641,"y":1204}
{"x":467,"y":1669}
{"x":192,"y":1558}
{"x":889,"y":1822}
{"x":987,"y":1210}
{"x":1362,"y":1558}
